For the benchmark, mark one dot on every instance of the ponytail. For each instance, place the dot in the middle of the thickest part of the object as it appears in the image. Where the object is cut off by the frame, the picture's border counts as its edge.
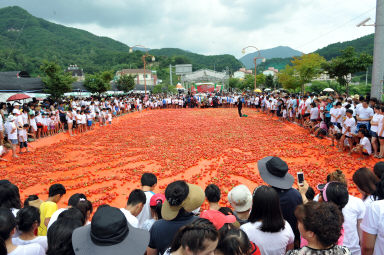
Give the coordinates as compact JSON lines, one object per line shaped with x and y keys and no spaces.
{"x":157,"y":209}
{"x":379,"y":194}
{"x":7,"y":224}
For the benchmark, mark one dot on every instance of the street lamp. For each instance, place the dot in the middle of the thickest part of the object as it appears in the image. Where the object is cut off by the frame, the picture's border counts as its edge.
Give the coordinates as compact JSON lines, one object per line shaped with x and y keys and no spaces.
{"x":144,"y":61}
{"x":255,"y":58}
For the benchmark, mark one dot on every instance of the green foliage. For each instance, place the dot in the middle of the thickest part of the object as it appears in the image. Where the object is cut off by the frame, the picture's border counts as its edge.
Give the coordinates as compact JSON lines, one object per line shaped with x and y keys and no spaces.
{"x":288,"y":79}
{"x":277,"y":63}
{"x":319,"y":86}
{"x":261,"y":79}
{"x":97,"y":83}
{"x":164,"y":88}
{"x":269,"y":82}
{"x":248,"y":83}
{"x":56,"y":82}
{"x":234,"y":83}
{"x":348,"y":63}
{"x":126,"y":83}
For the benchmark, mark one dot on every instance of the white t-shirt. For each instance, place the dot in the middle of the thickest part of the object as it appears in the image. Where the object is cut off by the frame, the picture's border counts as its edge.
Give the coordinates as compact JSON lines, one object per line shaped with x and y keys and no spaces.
{"x":145,"y":214}
{"x":377,"y":118}
{"x":349,"y":122}
{"x":366,"y":144}
{"x":42,"y":240}
{"x":364,"y":113}
{"x":269,"y":243}
{"x":314,"y":113}
{"x":9,"y":126}
{"x":335,"y":112}
{"x":54,"y":216}
{"x":353,"y":211}
{"x":130,"y":218}
{"x":29,"y":249}
{"x":373,"y":223}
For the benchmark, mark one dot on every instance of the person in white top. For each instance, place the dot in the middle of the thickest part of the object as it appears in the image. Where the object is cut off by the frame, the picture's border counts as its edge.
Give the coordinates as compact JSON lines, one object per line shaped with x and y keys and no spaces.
{"x":135,"y":204}
{"x":8,"y":228}
{"x":11,"y":132}
{"x":366,"y":181}
{"x":148,"y":184}
{"x":380,"y":133}
{"x":348,"y":128}
{"x":266,"y":226}
{"x":364,"y":115}
{"x":373,"y":227}
{"x":376,"y":119}
{"x":364,"y":147}
{"x":28,"y":220}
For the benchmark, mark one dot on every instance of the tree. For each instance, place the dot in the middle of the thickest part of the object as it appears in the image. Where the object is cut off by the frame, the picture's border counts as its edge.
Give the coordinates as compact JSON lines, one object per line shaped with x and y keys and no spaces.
{"x":98,"y":83}
{"x":260,"y":79}
{"x":288,"y":79}
{"x":269,"y":83}
{"x":233,"y":83}
{"x":248,"y":82}
{"x":348,"y":63}
{"x":126,"y":83}
{"x":164,"y":88}
{"x":307,"y":67}
{"x":56,"y":82}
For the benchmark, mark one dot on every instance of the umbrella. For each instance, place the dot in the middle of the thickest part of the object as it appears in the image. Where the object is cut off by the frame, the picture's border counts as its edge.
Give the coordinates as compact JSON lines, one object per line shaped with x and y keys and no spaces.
{"x":18,"y":97}
{"x":328,"y":90}
{"x":258,"y":90}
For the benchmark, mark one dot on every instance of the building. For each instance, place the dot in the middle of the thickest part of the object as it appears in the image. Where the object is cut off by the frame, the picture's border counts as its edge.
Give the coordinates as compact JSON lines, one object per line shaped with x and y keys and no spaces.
{"x":150,"y":76}
{"x":271,"y":71}
{"x":205,"y":76}
{"x":241,"y":73}
{"x":76,"y":71}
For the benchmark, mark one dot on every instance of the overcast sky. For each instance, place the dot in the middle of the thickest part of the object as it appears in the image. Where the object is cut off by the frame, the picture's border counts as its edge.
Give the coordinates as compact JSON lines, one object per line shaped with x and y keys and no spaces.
{"x":211,"y":26}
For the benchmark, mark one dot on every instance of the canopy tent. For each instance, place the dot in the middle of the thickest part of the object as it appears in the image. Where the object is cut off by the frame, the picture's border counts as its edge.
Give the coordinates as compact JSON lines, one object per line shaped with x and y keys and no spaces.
{"x":328,"y":90}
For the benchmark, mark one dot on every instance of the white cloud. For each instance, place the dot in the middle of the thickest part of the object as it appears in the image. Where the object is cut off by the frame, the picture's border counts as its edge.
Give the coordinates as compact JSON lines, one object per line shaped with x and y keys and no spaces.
{"x":212,"y":26}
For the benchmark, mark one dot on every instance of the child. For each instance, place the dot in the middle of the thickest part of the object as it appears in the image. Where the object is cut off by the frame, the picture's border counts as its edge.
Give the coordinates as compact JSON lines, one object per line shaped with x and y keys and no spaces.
{"x":109,"y":117}
{"x":45,"y":125}
{"x":32,"y":122}
{"x":321,"y":131}
{"x":83,"y":121}
{"x":78,"y":122}
{"x":334,"y":133}
{"x":284,"y":113}
{"x":364,"y":148}
{"x":3,"y":151}
{"x":23,"y":138}
{"x":348,"y":129}
{"x":89,"y":120}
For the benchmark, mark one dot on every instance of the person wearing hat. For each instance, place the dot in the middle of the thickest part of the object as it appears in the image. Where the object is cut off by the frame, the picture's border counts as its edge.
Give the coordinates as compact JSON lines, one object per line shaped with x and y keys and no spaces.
{"x":240,"y":199}
{"x":274,"y":171}
{"x":109,"y":233}
{"x":217,"y":218}
{"x":11,"y":132}
{"x":181,"y":199}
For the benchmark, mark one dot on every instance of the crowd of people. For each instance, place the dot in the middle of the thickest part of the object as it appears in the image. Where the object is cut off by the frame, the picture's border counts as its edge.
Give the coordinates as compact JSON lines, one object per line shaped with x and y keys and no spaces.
{"x":273,"y":219}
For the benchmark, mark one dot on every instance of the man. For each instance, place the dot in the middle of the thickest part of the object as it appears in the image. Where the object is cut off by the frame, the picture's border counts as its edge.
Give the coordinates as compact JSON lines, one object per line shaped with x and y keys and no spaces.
{"x":240,"y":199}
{"x":364,"y":115}
{"x":47,"y":208}
{"x":148,"y":184}
{"x":109,"y":233}
{"x":181,"y":199}
{"x":11,"y":133}
{"x":135,"y":204}
{"x":274,"y":171}
{"x":239,"y":106}
{"x":213,"y":195}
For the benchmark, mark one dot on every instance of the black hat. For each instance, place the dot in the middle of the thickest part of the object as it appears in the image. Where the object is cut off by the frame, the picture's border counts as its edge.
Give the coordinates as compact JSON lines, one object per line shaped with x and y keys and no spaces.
{"x":274,"y":171}
{"x":109,"y":233}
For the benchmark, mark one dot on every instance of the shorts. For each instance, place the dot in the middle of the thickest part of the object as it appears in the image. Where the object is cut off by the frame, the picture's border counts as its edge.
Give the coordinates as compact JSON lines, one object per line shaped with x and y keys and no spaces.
{"x":14,"y":141}
{"x":45,"y":128}
{"x":338,"y":136}
{"x":358,"y":126}
{"x":23,"y":145}
{"x":89,"y":123}
{"x":381,"y":137}
{"x":373,"y":134}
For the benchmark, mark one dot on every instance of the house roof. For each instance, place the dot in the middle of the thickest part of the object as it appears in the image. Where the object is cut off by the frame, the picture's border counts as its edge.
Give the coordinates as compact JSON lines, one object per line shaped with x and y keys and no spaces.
{"x":15,"y":81}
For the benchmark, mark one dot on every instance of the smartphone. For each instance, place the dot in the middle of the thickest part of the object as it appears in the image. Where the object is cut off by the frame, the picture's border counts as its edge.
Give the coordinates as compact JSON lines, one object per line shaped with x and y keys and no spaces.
{"x":300,"y":178}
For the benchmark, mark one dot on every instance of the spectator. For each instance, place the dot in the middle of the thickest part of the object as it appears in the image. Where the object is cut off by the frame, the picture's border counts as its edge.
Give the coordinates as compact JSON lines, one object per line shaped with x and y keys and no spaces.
{"x":28,"y":220}
{"x":199,"y":237}
{"x":33,"y":200}
{"x":47,"y":208}
{"x":7,"y":230}
{"x":267,"y":227}
{"x":274,"y":172}
{"x":109,"y":233}
{"x":135,"y":204}
{"x":320,"y":224}
{"x":212,"y":193}
{"x":373,"y":225}
{"x":181,"y":199}
{"x":366,"y":181}
{"x":155,"y":204}
{"x":235,"y":242}
{"x":72,"y":202}
{"x":378,"y":169}
{"x":10,"y":197}
{"x":60,"y":237}
{"x":11,"y":133}
{"x":148,"y":184}
{"x":240,"y":199}
{"x":217,"y":218}
{"x":73,"y":214}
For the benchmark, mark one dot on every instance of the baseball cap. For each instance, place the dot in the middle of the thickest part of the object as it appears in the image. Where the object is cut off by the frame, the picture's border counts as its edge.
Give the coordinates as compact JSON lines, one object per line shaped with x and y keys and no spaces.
{"x":240,"y":198}
{"x":217,"y":218}
{"x":156,"y":199}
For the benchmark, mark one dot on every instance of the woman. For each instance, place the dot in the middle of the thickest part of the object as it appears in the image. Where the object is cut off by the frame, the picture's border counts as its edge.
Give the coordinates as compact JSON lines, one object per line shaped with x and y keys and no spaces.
{"x":156,"y":203}
{"x":10,"y":197}
{"x":69,"y":116}
{"x":377,"y":117}
{"x":28,"y":220}
{"x":366,"y":181}
{"x":321,"y":225}
{"x":199,"y":237}
{"x":235,"y":242}
{"x":60,"y":236}
{"x":7,"y":230}
{"x":266,"y":226}
{"x":373,"y":224}
{"x":380,"y":133}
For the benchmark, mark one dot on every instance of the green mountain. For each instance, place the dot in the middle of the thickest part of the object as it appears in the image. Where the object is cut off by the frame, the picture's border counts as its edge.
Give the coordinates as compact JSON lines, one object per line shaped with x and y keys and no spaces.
{"x":362,"y":44}
{"x":26,"y":41}
{"x":277,"y":52}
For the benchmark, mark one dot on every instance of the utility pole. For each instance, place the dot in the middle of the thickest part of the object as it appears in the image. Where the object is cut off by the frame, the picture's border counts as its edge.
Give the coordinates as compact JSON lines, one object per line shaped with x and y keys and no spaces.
{"x":378,"y":53}
{"x":170,"y":74}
